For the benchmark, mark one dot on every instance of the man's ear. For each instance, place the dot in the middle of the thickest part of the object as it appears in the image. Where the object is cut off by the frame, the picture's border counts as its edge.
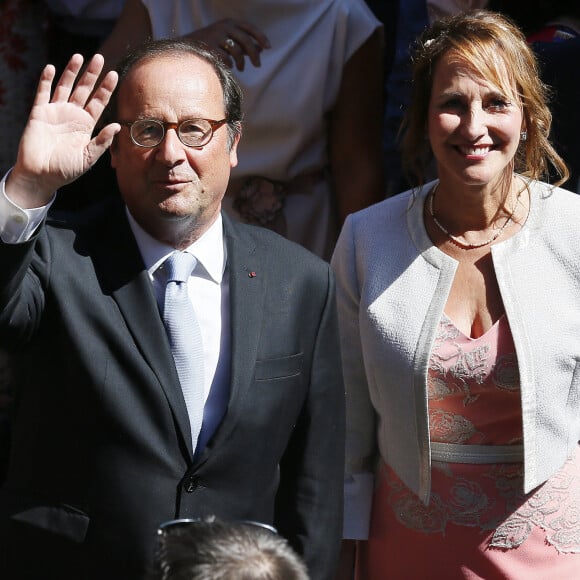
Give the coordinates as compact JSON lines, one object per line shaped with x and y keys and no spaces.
{"x":234,"y":147}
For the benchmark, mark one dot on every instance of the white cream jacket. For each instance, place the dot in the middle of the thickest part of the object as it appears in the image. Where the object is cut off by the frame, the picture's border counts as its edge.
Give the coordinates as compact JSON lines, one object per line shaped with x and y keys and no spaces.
{"x":392,"y":286}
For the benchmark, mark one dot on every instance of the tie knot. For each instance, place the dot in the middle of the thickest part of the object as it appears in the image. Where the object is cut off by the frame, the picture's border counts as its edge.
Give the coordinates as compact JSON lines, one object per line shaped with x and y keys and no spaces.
{"x":179,"y":266}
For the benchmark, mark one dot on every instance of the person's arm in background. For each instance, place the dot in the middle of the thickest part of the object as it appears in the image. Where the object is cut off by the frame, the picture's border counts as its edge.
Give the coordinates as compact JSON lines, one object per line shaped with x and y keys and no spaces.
{"x":245,"y":40}
{"x":131,"y":29}
{"x":355,"y":132}
{"x":134,"y":27}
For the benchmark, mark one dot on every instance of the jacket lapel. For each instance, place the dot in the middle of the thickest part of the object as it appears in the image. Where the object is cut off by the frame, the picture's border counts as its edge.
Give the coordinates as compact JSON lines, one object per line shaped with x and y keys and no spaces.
{"x":119,"y":265}
{"x":247,"y":286}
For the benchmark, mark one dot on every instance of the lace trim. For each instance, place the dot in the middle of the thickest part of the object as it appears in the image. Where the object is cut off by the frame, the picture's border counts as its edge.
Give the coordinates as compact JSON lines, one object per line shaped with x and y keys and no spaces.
{"x":554,"y":507}
{"x":487,"y":497}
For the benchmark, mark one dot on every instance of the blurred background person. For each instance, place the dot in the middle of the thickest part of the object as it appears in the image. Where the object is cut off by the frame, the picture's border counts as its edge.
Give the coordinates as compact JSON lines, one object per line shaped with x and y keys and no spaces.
{"x":442,"y":8}
{"x":211,"y":549}
{"x":23,"y":51}
{"x":459,"y":310}
{"x":553,"y":29}
{"x":78,"y":26}
{"x":409,"y":18}
{"x":311,"y":74}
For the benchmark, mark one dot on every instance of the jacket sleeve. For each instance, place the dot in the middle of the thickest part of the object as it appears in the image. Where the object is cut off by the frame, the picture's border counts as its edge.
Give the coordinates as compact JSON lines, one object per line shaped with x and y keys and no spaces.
{"x":360,"y":415}
{"x":23,"y":279}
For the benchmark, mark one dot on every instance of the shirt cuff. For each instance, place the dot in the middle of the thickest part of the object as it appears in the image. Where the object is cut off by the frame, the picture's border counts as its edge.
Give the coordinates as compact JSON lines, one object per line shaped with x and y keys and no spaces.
{"x":358,"y":500}
{"x":17,"y":225}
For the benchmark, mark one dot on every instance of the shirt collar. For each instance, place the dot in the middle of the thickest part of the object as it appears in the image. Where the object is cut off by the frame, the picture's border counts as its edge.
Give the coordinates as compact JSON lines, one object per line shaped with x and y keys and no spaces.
{"x":209,"y":250}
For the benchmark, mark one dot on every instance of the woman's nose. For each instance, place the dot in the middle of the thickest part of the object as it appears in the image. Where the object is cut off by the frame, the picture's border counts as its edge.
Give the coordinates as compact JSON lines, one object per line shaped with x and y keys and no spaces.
{"x":473,"y":123}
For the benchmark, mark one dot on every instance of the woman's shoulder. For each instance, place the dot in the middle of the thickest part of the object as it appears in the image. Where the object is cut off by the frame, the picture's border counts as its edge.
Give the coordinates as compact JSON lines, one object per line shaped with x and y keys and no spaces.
{"x":391,"y":214}
{"x":548,"y":190}
{"x":555,"y":217}
{"x":554,"y":201}
{"x":385,"y":226}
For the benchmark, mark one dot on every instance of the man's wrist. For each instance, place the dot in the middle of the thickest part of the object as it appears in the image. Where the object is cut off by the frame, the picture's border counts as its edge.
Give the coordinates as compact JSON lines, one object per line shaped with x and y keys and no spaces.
{"x":24,"y":192}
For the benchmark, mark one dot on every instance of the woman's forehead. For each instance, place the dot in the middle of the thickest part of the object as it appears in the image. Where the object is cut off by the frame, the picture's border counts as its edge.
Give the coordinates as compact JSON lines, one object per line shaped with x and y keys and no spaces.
{"x":490,"y":70}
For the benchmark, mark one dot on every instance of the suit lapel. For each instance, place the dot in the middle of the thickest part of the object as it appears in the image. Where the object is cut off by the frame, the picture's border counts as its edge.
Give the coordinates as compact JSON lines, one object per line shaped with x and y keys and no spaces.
{"x":247,"y":286}
{"x":123,"y":275}
{"x":120,"y":267}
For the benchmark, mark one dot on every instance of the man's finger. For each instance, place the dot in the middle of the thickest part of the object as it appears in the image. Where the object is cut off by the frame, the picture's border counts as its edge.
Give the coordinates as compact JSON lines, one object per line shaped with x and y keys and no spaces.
{"x":101,"y":97}
{"x":101,"y":142}
{"x":86,"y":83}
{"x":42,"y":96}
{"x":67,"y":79}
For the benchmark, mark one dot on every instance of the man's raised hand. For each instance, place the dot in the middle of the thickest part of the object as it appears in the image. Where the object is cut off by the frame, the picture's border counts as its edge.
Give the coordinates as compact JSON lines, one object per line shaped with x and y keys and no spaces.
{"x":57,"y":145}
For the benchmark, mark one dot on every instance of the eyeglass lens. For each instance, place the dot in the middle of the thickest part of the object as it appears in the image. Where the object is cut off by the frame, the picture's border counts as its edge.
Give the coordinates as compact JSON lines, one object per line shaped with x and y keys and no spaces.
{"x":191,"y":132}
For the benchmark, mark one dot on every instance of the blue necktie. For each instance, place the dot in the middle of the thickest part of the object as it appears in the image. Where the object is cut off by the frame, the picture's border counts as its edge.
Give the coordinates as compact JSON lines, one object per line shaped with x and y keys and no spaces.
{"x":185,"y":337}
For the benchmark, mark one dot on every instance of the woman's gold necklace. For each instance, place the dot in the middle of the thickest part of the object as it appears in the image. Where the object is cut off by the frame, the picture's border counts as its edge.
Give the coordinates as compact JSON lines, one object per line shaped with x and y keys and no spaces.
{"x":454,"y":239}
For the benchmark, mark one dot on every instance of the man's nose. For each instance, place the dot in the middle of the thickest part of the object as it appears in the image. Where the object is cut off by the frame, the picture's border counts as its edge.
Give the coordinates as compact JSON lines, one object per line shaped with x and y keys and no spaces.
{"x":171,"y":150}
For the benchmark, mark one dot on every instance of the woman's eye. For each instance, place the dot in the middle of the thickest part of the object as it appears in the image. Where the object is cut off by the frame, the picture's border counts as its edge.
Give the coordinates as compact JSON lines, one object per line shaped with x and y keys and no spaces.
{"x":452,"y":104}
{"x":498,"y":104}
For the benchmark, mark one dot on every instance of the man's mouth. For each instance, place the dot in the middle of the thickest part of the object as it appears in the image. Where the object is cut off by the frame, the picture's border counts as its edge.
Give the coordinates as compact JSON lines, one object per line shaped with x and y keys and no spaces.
{"x":172,"y":181}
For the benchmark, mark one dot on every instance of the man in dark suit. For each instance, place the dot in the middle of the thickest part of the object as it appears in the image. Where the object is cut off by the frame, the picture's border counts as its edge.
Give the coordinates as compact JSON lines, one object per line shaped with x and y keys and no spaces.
{"x":102,"y":447}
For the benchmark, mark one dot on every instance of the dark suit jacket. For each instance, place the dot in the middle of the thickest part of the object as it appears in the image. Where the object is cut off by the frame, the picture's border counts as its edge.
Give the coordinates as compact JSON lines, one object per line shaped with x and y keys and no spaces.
{"x":101,"y":453}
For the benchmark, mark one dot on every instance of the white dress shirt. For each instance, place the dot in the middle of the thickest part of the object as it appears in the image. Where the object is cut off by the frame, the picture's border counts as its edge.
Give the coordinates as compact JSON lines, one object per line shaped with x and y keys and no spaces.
{"x":208,"y":290}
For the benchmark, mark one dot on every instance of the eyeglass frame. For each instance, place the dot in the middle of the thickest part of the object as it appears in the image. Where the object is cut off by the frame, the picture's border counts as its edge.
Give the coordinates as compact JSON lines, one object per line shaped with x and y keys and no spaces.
{"x":164,"y":527}
{"x":166,"y":125}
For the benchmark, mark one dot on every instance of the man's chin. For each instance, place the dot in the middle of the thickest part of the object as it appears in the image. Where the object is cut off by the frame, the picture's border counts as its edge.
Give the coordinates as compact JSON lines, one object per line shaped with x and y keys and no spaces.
{"x":172,"y":209}
{"x":174,"y":216}
{"x":180,"y":217}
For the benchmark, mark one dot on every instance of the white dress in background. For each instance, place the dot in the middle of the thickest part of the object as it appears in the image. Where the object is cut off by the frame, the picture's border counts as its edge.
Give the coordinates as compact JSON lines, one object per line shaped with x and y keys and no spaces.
{"x":287,"y":98}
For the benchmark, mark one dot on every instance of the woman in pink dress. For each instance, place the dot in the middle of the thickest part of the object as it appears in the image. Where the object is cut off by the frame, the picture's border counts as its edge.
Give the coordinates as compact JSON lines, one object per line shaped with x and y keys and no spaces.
{"x":459,"y":306}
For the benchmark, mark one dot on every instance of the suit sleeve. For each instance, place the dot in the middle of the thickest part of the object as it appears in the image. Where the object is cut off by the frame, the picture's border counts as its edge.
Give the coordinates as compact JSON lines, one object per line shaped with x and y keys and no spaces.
{"x":309,"y":501}
{"x":23,"y":279}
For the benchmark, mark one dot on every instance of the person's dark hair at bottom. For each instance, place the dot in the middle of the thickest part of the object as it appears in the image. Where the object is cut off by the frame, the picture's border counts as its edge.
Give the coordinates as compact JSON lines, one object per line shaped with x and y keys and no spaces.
{"x":212,"y":549}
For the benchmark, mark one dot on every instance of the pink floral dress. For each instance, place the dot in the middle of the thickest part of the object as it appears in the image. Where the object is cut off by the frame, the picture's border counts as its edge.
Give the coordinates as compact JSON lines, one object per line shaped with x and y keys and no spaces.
{"x":479,"y":523}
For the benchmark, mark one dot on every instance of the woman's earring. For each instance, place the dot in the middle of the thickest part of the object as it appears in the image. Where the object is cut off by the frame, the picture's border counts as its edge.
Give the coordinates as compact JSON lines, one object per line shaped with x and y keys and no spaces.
{"x":523,"y":136}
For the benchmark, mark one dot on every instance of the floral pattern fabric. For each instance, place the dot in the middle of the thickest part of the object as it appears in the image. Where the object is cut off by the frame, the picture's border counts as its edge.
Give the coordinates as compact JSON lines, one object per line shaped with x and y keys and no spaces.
{"x":478,"y":523}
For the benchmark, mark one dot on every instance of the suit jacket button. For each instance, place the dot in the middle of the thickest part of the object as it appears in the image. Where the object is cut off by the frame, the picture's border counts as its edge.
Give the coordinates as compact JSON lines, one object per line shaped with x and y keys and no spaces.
{"x":191,"y":484}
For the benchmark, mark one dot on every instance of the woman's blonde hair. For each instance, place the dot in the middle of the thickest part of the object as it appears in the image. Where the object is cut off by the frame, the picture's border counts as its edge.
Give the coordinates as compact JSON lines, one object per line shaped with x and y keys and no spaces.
{"x":494,"y":48}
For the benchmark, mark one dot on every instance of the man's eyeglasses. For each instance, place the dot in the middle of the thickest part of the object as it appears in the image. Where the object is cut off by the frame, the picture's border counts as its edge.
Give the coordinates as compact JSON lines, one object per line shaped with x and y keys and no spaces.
{"x":191,"y":132}
{"x":166,"y":527}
